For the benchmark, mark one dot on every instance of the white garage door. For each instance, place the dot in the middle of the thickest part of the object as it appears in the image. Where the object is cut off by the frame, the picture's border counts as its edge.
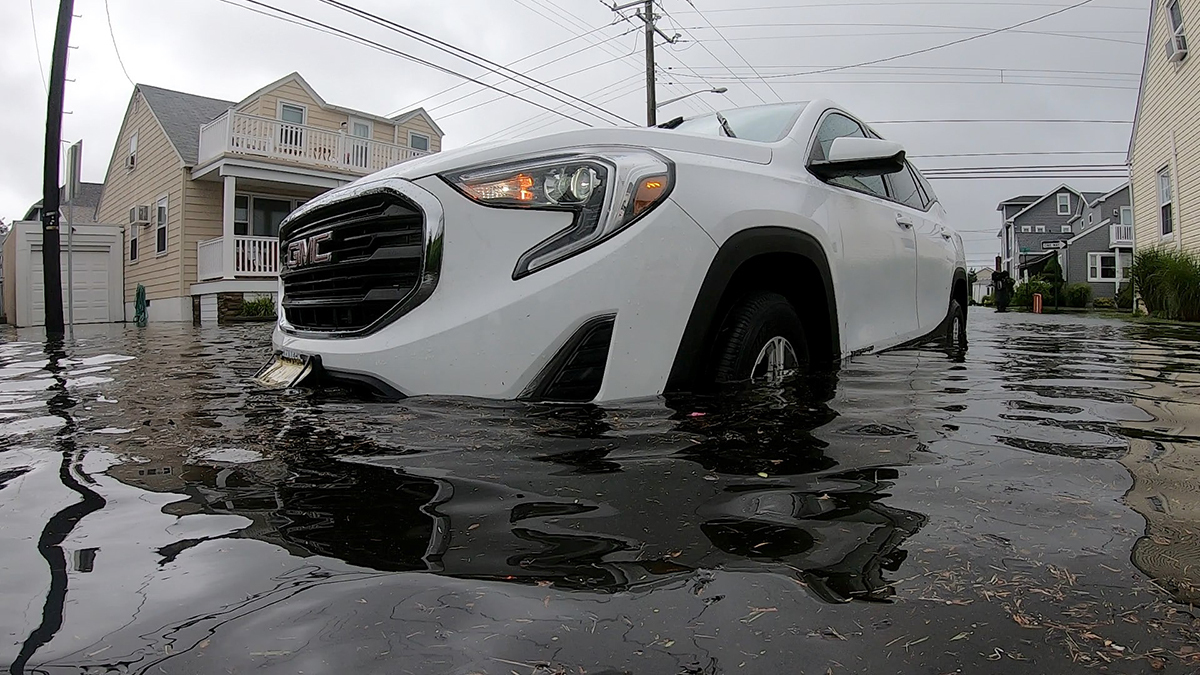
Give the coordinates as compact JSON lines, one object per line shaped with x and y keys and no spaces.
{"x":91,"y":287}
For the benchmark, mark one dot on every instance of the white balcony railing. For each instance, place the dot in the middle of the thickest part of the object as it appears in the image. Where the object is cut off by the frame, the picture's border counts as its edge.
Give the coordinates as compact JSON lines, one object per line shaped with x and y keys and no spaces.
{"x":1120,"y":235}
{"x":252,"y":257}
{"x":236,"y":133}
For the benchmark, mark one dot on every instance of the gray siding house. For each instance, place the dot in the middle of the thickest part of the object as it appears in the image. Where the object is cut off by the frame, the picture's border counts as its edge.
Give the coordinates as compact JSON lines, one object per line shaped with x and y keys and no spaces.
{"x":1102,"y":254}
{"x":1036,"y":226}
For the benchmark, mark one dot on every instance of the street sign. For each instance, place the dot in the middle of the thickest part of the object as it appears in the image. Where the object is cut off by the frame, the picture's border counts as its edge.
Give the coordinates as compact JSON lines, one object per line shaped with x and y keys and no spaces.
{"x":1050,"y":245}
{"x":74,"y":164}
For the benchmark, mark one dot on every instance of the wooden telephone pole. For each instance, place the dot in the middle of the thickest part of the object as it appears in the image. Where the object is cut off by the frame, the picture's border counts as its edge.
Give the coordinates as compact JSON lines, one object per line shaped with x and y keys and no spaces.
{"x":51,"y":263}
{"x":647,"y":15}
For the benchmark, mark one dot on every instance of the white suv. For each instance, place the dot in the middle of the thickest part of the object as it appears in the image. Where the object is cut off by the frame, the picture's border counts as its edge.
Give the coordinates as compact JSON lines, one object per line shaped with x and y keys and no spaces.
{"x":619,"y":263}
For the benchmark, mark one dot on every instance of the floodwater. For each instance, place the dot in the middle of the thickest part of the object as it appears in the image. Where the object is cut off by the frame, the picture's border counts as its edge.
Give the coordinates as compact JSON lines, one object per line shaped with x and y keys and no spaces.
{"x":1030,"y":506}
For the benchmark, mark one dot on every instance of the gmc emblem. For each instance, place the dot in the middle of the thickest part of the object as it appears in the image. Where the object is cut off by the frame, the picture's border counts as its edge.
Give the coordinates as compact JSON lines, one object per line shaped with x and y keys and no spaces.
{"x":307,"y":251}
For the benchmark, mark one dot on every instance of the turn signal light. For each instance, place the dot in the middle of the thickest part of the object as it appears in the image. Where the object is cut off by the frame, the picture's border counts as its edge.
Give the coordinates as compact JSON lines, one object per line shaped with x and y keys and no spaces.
{"x":649,"y":191}
{"x":515,"y":187}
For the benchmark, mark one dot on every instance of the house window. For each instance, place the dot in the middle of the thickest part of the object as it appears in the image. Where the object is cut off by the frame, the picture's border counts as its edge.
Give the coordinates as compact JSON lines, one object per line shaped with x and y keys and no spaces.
{"x":418,"y":142}
{"x":160,"y":227}
{"x":1066,"y":229}
{"x":1064,"y":203}
{"x":131,"y":160}
{"x":1041,"y":229}
{"x":1102,"y":266}
{"x":1026,"y":228}
{"x":1165,"y":217}
{"x":1176,"y":18}
{"x":1126,"y":215}
{"x":1091,"y":218}
{"x":133,"y":241}
{"x":291,"y":133}
{"x":260,"y":216}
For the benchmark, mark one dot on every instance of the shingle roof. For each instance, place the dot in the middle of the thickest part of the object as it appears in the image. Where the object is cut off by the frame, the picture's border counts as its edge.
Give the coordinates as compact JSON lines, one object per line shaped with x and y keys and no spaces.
{"x":181,"y":116}
{"x":83,"y":209}
{"x":1093,"y":196}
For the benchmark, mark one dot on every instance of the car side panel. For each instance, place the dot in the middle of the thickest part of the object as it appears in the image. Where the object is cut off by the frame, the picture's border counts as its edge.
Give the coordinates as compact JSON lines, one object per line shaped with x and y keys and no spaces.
{"x":935,"y":273}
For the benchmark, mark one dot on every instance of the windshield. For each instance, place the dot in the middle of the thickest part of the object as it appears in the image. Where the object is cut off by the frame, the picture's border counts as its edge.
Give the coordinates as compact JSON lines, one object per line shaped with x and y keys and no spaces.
{"x":764,"y":123}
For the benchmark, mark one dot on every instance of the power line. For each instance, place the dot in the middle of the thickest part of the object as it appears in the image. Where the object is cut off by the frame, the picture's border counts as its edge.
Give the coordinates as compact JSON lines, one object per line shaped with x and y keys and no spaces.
{"x":113,"y":36}
{"x":735,"y":50}
{"x":1003,"y":121}
{"x":990,"y":69}
{"x":952,"y":43}
{"x":447,"y":90}
{"x":468,"y":95}
{"x":623,"y":84}
{"x":497,"y":98}
{"x":310,"y":23}
{"x":471,"y":57}
{"x":1077,"y":35}
{"x":955,"y":82}
{"x":37,"y":49}
{"x":1020,"y":154}
{"x":971,"y":3}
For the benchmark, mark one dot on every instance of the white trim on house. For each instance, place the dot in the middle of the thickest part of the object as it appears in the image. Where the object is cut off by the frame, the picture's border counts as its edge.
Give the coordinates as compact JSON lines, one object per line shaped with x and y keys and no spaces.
{"x":369,"y":124}
{"x":428,"y":140}
{"x":1166,"y":198}
{"x":1099,"y":267}
{"x":163,"y":223}
{"x":1046,"y":196}
{"x":278,"y":173}
{"x":303,"y":111}
{"x":418,"y":112}
{"x":1110,"y":194}
{"x":1064,"y":206}
{"x":1039,"y":229}
{"x":1088,"y":231}
{"x":1137,"y":114}
{"x":1026,"y":229}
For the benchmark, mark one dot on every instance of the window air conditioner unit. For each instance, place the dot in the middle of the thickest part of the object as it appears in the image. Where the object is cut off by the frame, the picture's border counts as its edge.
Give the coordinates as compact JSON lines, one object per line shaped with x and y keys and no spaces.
{"x":130,"y":161}
{"x":1177,"y":49}
{"x":139,"y":215}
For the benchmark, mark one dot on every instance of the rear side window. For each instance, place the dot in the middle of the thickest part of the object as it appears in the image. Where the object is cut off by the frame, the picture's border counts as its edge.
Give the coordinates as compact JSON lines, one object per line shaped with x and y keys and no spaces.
{"x":905,"y":190}
{"x":925,"y":186}
{"x":836,"y":126}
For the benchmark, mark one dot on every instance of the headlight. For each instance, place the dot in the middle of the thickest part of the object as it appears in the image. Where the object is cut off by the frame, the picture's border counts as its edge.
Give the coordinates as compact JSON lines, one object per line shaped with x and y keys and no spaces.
{"x":607,"y":190}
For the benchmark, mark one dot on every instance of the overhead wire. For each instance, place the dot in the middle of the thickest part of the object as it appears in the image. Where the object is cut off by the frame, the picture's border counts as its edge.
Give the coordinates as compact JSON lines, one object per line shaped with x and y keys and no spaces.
{"x":113,"y":37}
{"x":510,"y":64}
{"x":694,"y":104}
{"x":313,"y":23}
{"x":735,"y":49}
{"x":622,"y":84}
{"x":1077,"y":35}
{"x":37,"y":49}
{"x":473,"y":58}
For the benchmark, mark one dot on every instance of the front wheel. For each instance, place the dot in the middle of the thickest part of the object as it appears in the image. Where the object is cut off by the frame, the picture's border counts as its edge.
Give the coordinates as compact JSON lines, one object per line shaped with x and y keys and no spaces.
{"x":761,"y":340}
{"x":956,"y":326}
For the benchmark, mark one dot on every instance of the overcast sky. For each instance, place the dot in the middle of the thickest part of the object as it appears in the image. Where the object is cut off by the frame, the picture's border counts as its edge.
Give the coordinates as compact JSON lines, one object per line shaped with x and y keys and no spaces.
{"x":212,"y":48}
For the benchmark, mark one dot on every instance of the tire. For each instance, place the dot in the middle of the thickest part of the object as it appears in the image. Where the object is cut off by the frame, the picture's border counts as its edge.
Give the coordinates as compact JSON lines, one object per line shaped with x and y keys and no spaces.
{"x":956,"y":326}
{"x":758,"y":320}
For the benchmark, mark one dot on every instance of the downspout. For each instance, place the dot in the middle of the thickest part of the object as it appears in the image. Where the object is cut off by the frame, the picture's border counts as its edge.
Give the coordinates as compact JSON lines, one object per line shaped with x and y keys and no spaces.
{"x":1175,"y":201}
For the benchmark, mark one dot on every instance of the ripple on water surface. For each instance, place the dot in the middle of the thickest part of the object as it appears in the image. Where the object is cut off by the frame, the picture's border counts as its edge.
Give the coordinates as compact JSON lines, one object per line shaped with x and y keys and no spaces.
{"x":1030,"y":504}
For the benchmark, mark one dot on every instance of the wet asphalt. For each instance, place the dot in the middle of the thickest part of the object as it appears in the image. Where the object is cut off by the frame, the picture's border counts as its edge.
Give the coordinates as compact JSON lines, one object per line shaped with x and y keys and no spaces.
{"x":1029,"y":506}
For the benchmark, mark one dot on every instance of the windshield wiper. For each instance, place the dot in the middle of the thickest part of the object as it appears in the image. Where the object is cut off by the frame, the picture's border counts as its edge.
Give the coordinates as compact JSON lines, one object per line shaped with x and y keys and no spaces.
{"x":725,"y":126}
{"x":672,"y":124}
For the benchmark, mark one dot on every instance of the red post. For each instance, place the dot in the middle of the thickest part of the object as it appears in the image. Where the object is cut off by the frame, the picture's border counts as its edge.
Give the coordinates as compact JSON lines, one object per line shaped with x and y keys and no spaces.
{"x":1037,"y":303}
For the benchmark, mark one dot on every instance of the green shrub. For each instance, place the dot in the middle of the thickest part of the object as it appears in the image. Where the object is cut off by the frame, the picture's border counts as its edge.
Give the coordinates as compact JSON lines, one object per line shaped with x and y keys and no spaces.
{"x":1023,"y":293}
{"x":1104,"y":303}
{"x":1169,"y":282}
{"x":260,"y":306}
{"x":1078,"y":295}
{"x":988,"y":301}
{"x":1125,"y":296}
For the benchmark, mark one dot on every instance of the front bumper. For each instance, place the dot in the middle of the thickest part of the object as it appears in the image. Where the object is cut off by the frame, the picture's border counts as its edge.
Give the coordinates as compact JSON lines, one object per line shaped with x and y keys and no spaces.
{"x":482,"y":334}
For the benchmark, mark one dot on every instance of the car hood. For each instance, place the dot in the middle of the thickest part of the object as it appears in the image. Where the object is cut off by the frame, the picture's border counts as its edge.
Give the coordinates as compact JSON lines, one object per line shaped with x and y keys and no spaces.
{"x":658,"y":139}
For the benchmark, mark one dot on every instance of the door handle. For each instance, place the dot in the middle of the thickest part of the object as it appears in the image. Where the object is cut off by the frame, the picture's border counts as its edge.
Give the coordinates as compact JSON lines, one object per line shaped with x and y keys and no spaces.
{"x":904,"y":221}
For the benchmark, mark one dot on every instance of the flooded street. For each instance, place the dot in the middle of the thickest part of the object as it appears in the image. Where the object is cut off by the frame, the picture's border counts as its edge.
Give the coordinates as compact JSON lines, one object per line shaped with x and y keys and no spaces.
{"x":1031,"y":506}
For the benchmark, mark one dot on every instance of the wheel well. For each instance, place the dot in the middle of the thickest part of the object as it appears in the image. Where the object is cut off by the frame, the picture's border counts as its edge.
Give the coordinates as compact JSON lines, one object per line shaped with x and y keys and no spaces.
{"x":784,"y":260}
{"x":960,"y":292}
{"x":794,"y":277}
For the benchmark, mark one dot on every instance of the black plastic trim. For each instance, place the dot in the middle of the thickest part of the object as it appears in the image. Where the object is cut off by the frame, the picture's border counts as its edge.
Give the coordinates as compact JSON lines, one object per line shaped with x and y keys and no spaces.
{"x":688,"y":370}
{"x":547,"y":382}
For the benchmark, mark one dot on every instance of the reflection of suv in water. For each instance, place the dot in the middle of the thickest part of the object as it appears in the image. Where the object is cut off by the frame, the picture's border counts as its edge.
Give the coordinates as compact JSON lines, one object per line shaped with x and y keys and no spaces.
{"x":605,"y":264}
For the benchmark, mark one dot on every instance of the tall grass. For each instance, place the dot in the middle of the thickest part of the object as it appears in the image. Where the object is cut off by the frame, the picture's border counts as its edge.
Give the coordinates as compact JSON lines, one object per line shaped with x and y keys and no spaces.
{"x":1169,"y":282}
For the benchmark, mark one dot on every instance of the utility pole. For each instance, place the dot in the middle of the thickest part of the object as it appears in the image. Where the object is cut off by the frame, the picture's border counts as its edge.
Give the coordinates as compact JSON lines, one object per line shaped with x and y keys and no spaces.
{"x":646,"y":14}
{"x":651,"y":94}
{"x":51,"y":263}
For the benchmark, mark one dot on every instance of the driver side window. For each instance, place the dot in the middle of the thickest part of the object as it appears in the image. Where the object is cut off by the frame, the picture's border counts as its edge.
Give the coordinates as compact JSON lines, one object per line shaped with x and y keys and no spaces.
{"x":836,"y":126}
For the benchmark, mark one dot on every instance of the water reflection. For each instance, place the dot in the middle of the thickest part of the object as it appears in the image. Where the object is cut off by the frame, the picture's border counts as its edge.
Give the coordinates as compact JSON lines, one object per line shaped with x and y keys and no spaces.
{"x":929,"y":507}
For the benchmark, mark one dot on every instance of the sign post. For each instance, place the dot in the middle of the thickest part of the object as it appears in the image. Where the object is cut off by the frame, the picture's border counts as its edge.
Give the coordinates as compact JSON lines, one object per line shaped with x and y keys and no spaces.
{"x":74,"y":162}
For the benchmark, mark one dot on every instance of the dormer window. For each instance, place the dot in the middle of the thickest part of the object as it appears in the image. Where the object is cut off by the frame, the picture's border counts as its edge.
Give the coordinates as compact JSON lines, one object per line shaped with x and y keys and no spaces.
{"x":1064,"y":203}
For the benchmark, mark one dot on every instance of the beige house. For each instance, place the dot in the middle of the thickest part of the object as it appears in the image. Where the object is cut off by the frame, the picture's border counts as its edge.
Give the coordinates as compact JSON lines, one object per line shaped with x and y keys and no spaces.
{"x":1164,"y":152}
{"x":203,"y":184}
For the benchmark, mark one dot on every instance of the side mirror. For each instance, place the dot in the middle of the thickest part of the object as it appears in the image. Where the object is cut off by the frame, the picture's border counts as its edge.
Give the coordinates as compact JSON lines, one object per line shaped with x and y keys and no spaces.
{"x":850,"y":156}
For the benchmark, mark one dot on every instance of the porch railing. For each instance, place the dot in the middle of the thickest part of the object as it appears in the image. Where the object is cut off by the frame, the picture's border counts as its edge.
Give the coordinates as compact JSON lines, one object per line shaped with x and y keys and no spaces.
{"x":252,"y":257}
{"x":1121,"y":235}
{"x":238,"y":133}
